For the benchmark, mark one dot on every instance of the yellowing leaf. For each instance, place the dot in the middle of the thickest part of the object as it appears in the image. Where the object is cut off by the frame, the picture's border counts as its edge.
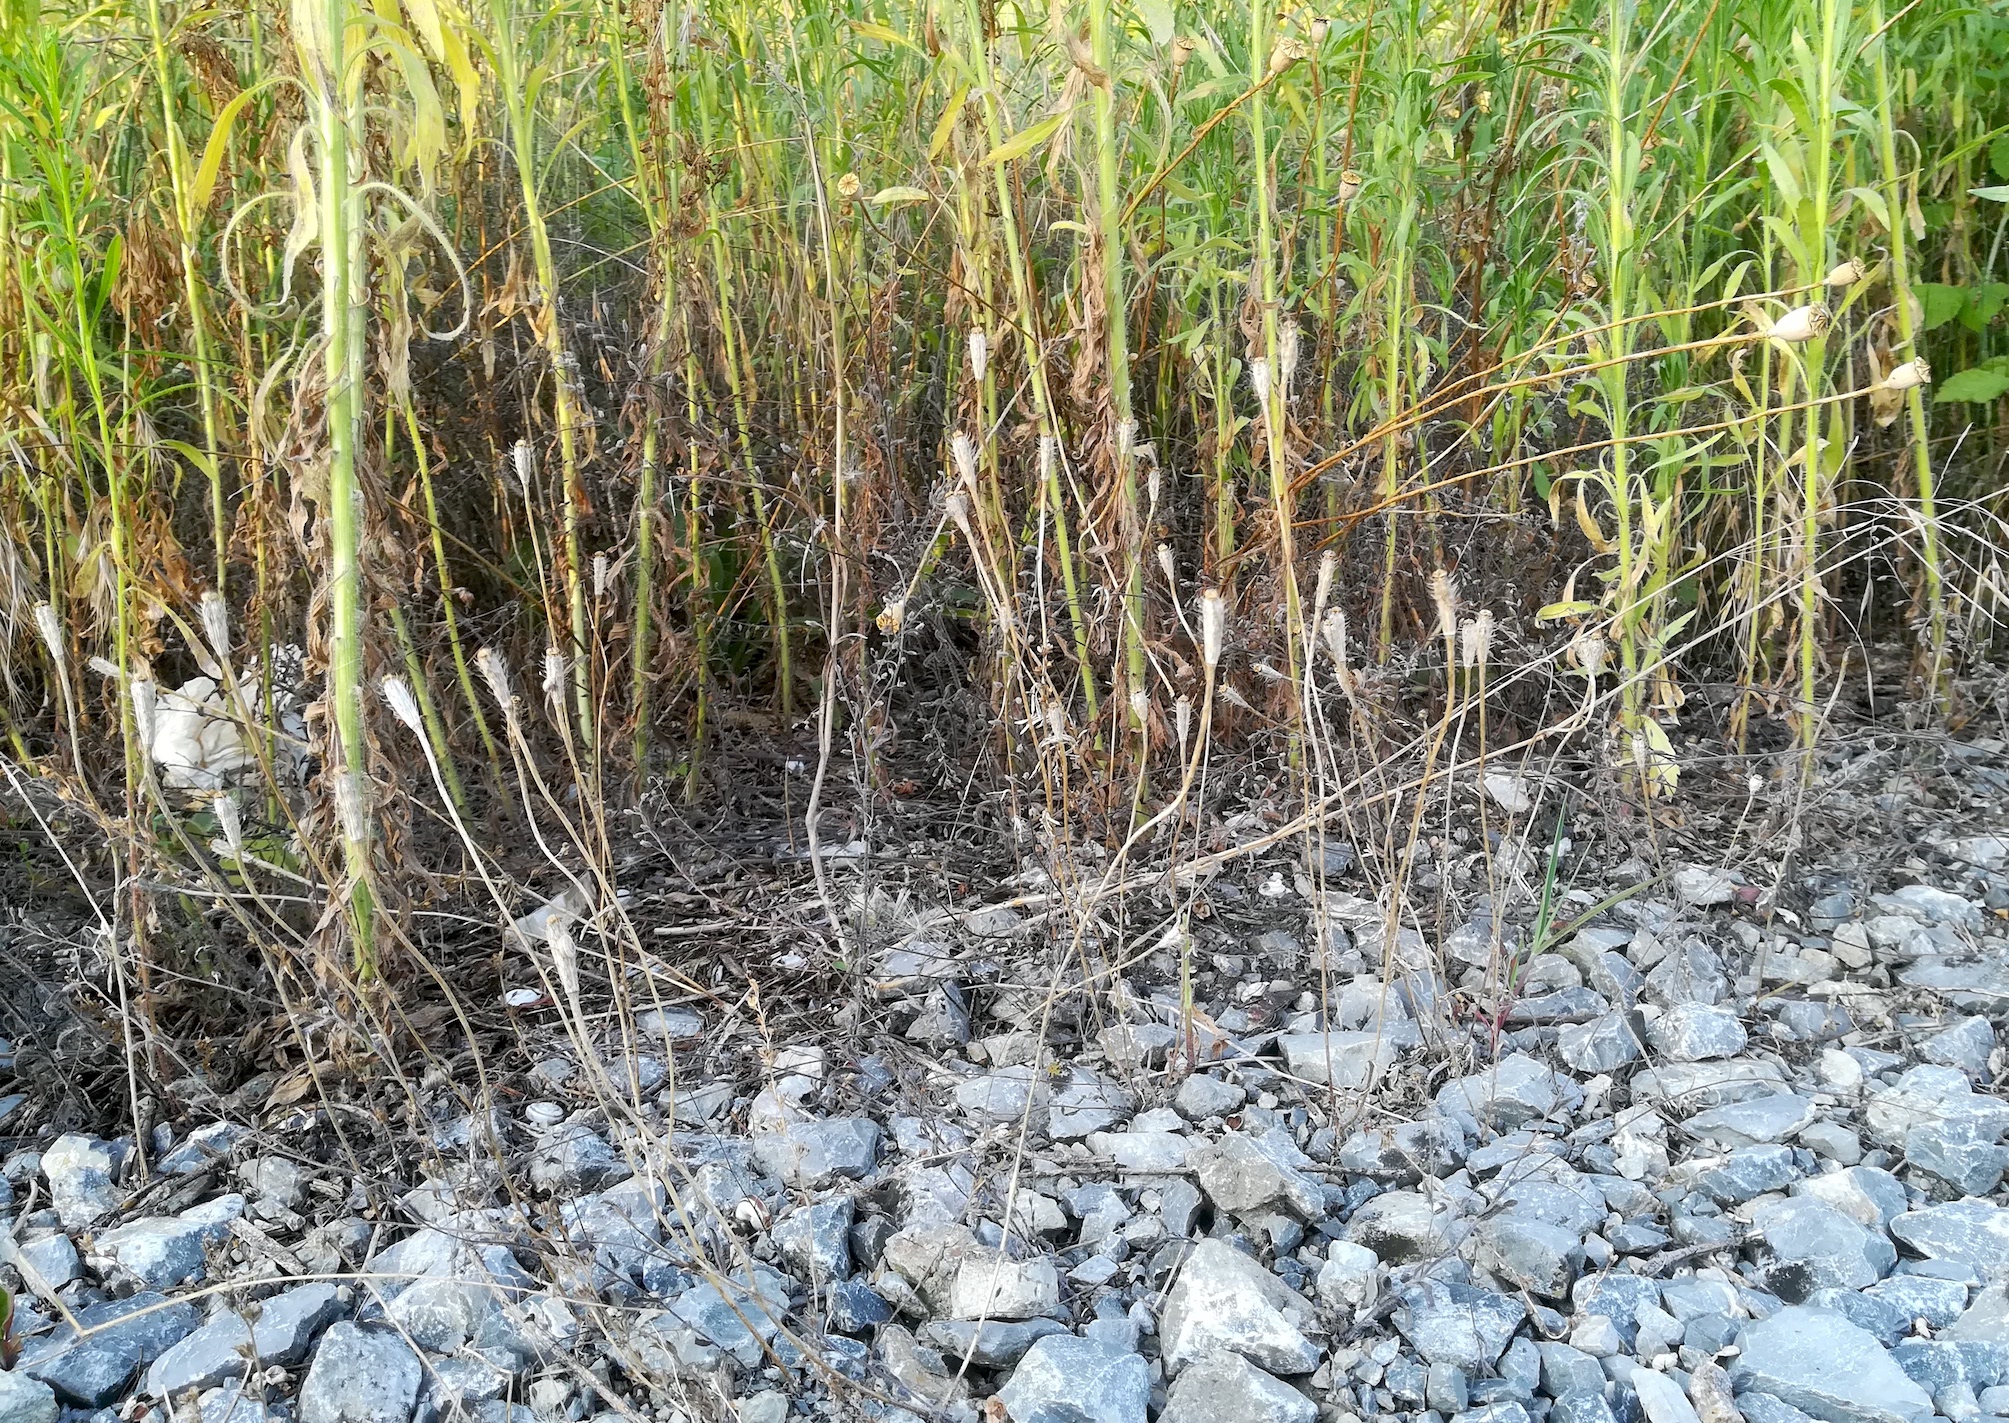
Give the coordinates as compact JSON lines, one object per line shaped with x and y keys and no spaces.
{"x":872,"y":31}
{"x":1589,"y":525}
{"x":945,"y":126}
{"x":897,"y":197}
{"x":1564,"y":610}
{"x":1656,"y":757}
{"x":218,"y":145}
{"x":1026,"y":139}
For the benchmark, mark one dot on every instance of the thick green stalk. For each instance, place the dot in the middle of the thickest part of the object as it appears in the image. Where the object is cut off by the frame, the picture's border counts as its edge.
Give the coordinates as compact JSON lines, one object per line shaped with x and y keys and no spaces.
{"x":1936,"y":679}
{"x":1121,"y":434}
{"x":344,"y":301}
{"x":1023,"y":317}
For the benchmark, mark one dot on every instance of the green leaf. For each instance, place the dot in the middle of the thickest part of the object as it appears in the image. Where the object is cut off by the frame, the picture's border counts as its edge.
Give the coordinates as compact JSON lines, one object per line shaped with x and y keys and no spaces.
{"x":1998,"y":156}
{"x":1998,"y":195}
{"x":897,"y":197}
{"x":1983,"y":302}
{"x":1942,"y":302}
{"x":1026,"y":139}
{"x":1564,"y":610}
{"x":1157,"y":17}
{"x":1976,"y":386}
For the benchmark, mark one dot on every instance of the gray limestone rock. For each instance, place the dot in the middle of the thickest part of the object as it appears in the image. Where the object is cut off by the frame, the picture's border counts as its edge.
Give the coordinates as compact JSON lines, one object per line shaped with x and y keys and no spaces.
{"x":1825,"y":1366}
{"x":1974,"y":1233}
{"x":1459,"y":1324}
{"x":1809,"y":1245}
{"x":1226,"y":1388}
{"x":360,"y":1376}
{"x":1064,"y":1379}
{"x":1223,"y":1300}
{"x":1696,"y":1032}
{"x":1244,"y":1174}
{"x":1512,"y":1092}
{"x":79,"y":1173}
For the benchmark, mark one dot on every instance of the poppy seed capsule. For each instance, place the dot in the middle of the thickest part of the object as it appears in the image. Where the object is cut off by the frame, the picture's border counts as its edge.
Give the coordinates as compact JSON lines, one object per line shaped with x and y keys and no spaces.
{"x":1319,"y":28}
{"x":1349,"y":185}
{"x":1182,"y":50}
{"x":1847,"y":274}
{"x":1803,"y":323}
{"x":1911,"y":374}
{"x":849,"y":187}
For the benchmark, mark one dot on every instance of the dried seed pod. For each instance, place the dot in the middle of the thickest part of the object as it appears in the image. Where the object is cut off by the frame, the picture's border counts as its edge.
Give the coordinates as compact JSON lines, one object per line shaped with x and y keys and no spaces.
{"x":1183,"y":49}
{"x":1182,"y":720}
{"x":404,"y":706}
{"x":1445,"y":595}
{"x":525,"y":461}
{"x":892,"y":617}
{"x":1259,"y":380}
{"x":1140,"y":706}
{"x":495,"y":672}
{"x":554,"y":677}
{"x":1802,"y":323}
{"x":51,"y":629}
{"x":1289,"y":50}
{"x":1349,"y":184}
{"x":1328,"y":566}
{"x":231,"y":823}
{"x":964,"y":451}
{"x":980,"y":353}
{"x":145,"y":703}
{"x":1287,"y":353}
{"x":1168,"y":567}
{"x":1475,"y":639}
{"x":1914,"y":372}
{"x":1320,"y":27}
{"x":1847,"y":274}
{"x":216,"y":624}
{"x":849,"y":186}
{"x":1213,"y":626}
{"x":602,"y":572}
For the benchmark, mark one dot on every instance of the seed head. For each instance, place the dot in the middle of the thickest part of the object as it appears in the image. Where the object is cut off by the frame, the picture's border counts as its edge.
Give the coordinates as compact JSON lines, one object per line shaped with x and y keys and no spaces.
{"x":1349,"y":184}
{"x":1213,"y":626}
{"x":1288,"y":51}
{"x":1914,"y":372}
{"x":216,"y":624}
{"x":404,"y":706}
{"x":525,"y":460}
{"x":1847,"y":274}
{"x":1182,"y":50}
{"x":1167,"y":566}
{"x":554,"y":675}
{"x":51,"y":629}
{"x":145,"y":702}
{"x":1803,"y":323}
{"x":601,"y":571}
{"x":1182,"y":720}
{"x":1140,"y":705}
{"x":849,"y":187}
{"x":1475,"y":639}
{"x":230,"y":823}
{"x":1259,"y":380}
{"x":1319,"y":29}
{"x":980,"y":354}
{"x":964,"y":451}
{"x":1445,"y":595}
{"x":1328,"y":565}
{"x":495,"y":672}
